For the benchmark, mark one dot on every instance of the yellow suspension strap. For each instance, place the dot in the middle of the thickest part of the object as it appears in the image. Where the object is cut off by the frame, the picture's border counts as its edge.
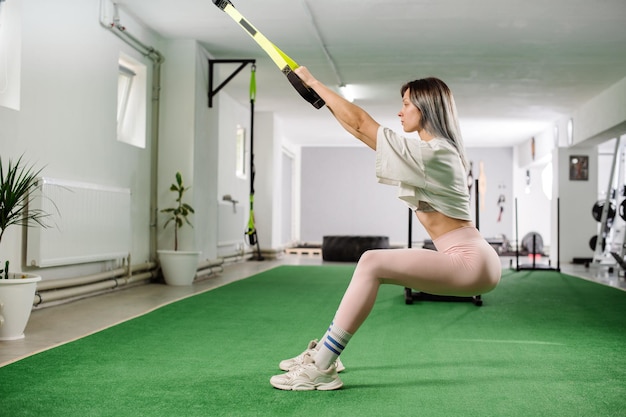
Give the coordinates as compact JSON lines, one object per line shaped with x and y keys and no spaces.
{"x":281,"y":59}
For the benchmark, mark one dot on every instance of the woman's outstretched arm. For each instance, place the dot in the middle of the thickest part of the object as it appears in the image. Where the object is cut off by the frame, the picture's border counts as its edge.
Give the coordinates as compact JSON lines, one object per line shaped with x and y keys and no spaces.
{"x":353,"y":118}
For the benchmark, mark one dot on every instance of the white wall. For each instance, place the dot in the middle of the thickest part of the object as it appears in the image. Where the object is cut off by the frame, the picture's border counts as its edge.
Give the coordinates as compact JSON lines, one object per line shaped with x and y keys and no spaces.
{"x":267,"y":189}
{"x":576,"y":200}
{"x":67,"y":123}
{"x":67,"y":119}
{"x":534,"y":206}
{"x":177,"y":136}
{"x":228,"y":115}
{"x":201,"y":143}
{"x":497,"y":165}
{"x":10,"y":53}
{"x":534,"y":213}
{"x":602,"y":118}
{"x":287,"y":182}
{"x":339,"y":195}
{"x":206,"y":162}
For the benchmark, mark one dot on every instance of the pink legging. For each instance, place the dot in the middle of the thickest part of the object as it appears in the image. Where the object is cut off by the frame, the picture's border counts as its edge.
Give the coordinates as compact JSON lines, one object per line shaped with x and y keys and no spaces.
{"x":463,"y":265}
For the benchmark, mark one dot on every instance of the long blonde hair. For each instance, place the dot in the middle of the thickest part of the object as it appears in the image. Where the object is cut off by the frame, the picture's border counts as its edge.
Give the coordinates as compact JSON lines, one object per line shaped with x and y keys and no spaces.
{"x":439,"y":117}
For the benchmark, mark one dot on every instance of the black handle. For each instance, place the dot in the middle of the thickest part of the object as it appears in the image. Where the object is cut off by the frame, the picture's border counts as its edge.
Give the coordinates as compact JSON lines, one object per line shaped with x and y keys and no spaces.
{"x":306,"y":92}
{"x":222,"y":3}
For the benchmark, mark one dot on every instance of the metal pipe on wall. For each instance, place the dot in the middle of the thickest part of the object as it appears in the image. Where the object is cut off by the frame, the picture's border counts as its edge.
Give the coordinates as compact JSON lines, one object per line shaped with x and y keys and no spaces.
{"x":88,"y":279}
{"x":67,"y":293}
{"x":210,"y":264}
{"x":90,"y":289}
{"x":207,"y":267}
{"x":71,"y":288}
{"x":56,"y":284}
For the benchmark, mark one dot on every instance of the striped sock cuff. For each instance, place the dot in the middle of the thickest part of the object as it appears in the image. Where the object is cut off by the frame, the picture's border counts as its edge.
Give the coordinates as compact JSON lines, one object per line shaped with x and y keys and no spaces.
{"x":336,"y":339}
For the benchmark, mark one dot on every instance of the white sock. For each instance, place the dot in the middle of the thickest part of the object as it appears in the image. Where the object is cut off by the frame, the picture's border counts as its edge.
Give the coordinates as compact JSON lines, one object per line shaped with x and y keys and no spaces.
{"x":331,"y":346}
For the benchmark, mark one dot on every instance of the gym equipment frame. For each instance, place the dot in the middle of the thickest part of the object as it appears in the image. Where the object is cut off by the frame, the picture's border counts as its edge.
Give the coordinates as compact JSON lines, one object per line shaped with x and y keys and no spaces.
{"x":410,"y":296}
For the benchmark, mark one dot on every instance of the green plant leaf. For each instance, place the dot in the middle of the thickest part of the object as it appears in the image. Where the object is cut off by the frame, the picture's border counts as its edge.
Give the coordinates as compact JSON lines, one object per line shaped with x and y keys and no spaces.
{"x":17,"y":185}
{"x":178,"y":215}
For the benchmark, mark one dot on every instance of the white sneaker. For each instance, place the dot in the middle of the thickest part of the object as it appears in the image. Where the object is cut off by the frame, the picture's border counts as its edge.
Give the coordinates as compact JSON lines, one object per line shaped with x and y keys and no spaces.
{"x":290,"y":364}
{"x":308,"y":377}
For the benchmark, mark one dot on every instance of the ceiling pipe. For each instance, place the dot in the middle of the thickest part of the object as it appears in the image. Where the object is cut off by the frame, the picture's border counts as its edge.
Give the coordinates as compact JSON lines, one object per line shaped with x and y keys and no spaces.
{"x":157,"y":59}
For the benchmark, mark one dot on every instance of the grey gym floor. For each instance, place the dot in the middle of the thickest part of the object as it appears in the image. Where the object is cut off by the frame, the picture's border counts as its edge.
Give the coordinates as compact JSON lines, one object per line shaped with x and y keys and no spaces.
{"x":55,"y":325}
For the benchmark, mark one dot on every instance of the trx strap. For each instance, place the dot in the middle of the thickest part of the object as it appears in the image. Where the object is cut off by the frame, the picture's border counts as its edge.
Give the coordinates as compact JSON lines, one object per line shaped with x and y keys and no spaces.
{"x":281,"y":59}
{"x":251,"y":232}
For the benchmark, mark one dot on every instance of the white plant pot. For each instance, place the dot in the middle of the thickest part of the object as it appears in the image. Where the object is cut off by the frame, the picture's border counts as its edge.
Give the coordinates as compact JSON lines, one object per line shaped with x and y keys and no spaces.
{"x":178,"y":267}
{"x":16,"y":302}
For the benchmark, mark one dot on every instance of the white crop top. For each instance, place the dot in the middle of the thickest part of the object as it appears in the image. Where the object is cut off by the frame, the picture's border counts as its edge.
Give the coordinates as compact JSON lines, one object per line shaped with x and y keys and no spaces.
{"x":429,"y":174}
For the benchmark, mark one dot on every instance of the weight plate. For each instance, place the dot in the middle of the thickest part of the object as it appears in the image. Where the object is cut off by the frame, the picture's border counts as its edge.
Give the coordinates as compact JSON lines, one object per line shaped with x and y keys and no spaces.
{"x":597,"y":208}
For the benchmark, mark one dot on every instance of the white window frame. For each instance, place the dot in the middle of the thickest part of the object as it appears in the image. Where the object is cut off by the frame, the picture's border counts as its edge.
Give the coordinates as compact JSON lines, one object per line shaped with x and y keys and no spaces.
{"x":132,"y":86}
{"x":125,"y":80}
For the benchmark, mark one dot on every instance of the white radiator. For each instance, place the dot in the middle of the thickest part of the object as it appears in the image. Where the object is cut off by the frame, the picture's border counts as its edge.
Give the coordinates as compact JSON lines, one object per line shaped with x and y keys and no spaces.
{"x":88,"y":222}
{"x":231,"y":225}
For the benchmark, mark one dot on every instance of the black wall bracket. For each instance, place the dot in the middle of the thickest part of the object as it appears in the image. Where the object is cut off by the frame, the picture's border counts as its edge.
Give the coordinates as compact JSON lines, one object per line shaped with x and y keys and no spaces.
{"x":213,"y":62}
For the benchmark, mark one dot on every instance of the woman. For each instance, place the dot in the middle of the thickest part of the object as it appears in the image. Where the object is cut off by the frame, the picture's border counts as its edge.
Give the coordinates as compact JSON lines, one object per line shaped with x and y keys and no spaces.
{"x":431,"y":176}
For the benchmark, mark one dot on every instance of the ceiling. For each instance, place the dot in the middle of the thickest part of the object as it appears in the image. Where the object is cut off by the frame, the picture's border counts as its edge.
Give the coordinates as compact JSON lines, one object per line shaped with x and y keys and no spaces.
{"x":514,"y":66}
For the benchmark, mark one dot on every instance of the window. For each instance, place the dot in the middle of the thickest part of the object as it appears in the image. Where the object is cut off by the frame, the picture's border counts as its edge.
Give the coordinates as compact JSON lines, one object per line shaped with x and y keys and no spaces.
{"x":131,"y":101}
{"x":240,"y":152}
{"x":10,"y":53}
{"x":124,"y":85}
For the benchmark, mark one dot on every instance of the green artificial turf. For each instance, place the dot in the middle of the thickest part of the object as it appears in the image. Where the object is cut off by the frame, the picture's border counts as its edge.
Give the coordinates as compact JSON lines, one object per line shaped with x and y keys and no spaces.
{"x":543,"y":344}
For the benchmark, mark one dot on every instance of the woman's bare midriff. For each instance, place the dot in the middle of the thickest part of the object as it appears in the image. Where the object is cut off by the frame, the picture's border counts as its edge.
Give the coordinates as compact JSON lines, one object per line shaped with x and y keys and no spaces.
{"x":437,"y":224}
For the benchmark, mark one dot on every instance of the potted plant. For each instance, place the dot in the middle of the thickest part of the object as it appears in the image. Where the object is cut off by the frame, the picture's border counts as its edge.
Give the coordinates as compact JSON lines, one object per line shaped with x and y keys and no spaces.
{"x":17,"y":290}
{"x":178,"y":267}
